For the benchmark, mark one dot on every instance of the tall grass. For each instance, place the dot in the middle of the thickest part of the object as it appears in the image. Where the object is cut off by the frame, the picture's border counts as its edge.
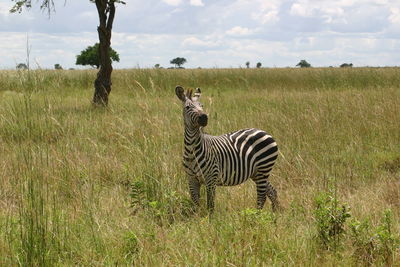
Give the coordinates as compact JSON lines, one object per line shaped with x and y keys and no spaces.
{"x":86,"y":186}
{"x":151,"y":80}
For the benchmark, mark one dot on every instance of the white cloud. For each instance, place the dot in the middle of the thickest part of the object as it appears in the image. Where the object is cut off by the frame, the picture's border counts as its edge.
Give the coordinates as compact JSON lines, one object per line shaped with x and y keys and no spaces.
{"x":309,"y":8}
{"x":342,"y":15}
{"x":239,"y":31}
{"x":4,"y":9}
{"x":193,"y":42}
{"x":394,"y":15}
{"x":271,"y":16}
{"x":267,"y":11}
{"x":300,"y":10}
{"x":173,"y":2}
{"x":196,"y":3}
{"x":221,"y":33}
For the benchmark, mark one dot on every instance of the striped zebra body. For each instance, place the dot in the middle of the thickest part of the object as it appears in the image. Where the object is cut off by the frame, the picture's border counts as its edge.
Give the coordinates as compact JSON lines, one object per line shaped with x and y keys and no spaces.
{"x":225,"y":160}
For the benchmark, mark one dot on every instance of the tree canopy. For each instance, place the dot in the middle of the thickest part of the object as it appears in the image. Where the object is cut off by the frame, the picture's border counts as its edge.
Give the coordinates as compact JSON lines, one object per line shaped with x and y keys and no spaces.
{"x":90,"y":56}
{"x":346,"y":65}
{"x":19,"y":4}
{"x":303,"y":64}
{"x":22,"y":66}
{"x":178,"y":61}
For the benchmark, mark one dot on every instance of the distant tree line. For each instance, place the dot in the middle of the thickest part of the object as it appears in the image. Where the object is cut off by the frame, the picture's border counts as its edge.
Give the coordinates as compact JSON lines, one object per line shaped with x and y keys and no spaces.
{"x":346,"y":65}
{"x":90,"y":56}
{"x":304,"y":64}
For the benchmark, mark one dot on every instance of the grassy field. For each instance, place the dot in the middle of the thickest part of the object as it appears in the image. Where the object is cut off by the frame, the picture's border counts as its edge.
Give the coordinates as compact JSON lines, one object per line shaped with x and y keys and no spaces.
{"x":90,"y":186}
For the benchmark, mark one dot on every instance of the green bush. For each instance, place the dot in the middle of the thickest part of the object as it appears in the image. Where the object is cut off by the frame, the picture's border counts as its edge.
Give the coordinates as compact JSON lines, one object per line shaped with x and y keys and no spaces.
{"x":377,"y":244}
{"x":162,"y":203}
{"x":330,"y":216}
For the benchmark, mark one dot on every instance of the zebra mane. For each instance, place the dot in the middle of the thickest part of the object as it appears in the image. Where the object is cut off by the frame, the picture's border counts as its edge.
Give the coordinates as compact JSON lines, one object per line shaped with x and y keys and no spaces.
{"x":189,"y":93}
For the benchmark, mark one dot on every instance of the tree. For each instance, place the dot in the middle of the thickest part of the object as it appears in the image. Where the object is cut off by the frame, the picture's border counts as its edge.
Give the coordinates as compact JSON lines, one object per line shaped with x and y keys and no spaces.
{"x":247,"y":64}
{"x":58,"y":66}
{"x":178,"y":61}
{"x":259,"y":65}
{"x":90,"y":56}
{"x":346,"y":65}
{"x":106,"y":13}
{"x":22,"y":66}
{"x":303,"y":64}
{"x":157,"y":66}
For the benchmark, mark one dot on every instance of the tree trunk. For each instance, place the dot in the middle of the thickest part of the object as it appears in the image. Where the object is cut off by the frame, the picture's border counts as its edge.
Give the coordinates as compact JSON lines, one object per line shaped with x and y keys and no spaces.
{"x":102,"y":84}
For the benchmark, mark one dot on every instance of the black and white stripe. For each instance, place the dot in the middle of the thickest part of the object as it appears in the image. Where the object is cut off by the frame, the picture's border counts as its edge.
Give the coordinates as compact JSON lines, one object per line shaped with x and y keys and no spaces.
{"x":225,"y":160}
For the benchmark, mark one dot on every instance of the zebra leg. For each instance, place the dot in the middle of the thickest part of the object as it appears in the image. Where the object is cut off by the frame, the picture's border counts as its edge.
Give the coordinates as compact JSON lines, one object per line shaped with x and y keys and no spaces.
{"x":273,"y":196}
{"x":194,"y":189}
{"x":264,"y":189}
{"x":210,"y":196}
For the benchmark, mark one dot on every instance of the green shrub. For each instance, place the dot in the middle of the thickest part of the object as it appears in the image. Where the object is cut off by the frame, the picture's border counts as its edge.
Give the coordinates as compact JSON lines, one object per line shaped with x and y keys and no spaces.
{"x":131,"y":245}
{"x":162,"y":204}
{"x":330,"y":216}
{"x":372,"y":245}
{"x":253,"y":216}
{"x":387,"y":241}
{"x":363,"y":242}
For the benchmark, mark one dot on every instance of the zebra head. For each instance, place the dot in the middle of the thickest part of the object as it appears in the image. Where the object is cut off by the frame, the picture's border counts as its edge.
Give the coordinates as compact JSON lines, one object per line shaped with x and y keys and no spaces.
{"x":193,"y":113}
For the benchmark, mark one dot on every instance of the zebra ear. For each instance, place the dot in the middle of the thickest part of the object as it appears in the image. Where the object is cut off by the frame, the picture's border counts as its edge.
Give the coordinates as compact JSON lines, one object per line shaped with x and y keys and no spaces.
{"x":180,"y":93}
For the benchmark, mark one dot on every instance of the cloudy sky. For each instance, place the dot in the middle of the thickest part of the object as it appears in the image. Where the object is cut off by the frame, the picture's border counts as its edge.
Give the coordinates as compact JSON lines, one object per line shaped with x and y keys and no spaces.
{"x":210,"y":33}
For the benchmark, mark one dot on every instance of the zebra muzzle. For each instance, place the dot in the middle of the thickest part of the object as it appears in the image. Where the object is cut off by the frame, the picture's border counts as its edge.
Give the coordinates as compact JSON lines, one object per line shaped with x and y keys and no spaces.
{"x":203,"y":119}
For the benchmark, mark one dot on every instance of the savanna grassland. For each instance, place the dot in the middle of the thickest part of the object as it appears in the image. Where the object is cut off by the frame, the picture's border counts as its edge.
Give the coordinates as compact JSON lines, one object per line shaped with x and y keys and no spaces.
{"x":96,"y":187}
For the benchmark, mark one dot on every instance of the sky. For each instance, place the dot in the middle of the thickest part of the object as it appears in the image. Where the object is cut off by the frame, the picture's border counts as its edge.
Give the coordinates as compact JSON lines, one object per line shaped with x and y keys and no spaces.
{"x":209,"y":33}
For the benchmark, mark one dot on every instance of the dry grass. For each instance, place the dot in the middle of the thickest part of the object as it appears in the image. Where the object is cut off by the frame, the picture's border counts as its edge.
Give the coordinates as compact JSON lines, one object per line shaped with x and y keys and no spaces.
{"x":69,"y":173}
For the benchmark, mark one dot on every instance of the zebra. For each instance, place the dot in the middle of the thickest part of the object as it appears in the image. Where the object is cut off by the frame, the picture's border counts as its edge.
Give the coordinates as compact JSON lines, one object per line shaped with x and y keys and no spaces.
{"x":225,"y":160}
